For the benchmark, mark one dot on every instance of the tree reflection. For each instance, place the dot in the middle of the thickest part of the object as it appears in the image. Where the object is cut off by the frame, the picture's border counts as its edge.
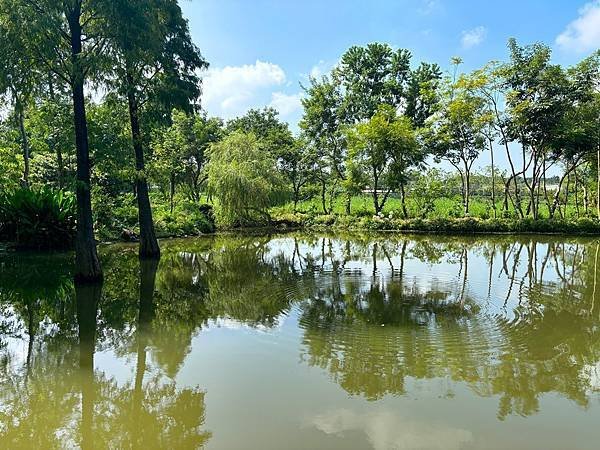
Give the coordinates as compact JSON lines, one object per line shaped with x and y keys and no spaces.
{"x":60,"y":399}
{"x":509,"y":318}
{"x":373,"y":332}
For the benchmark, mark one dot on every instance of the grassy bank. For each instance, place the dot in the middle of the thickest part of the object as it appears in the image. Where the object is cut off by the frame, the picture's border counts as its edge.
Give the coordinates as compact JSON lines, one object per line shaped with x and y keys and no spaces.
{"x":466,"y":225}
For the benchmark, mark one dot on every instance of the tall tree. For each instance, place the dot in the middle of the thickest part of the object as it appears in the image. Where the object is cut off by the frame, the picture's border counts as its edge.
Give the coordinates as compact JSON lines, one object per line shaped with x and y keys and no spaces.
{"x":371,"y":76}
{"x":17,"y":80}
{"x":456,"y":132}
{"x":380,"y":152}
{"x":322,"y":126}
{"x":68,"y":39}
{"x":181,"y":151}
{"x":274,"y":134}
{"x":537,"y":97}
{"x":153,"y":49}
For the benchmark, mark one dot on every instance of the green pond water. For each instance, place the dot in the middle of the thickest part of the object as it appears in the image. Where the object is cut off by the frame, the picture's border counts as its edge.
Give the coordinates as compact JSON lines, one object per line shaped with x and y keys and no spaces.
{"x":304,"y":341}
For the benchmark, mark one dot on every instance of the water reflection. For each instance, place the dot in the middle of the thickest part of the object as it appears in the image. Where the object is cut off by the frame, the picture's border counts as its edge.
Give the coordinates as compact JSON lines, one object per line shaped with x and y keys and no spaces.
{"x":62,"y":399}
{"x":511,"y":320}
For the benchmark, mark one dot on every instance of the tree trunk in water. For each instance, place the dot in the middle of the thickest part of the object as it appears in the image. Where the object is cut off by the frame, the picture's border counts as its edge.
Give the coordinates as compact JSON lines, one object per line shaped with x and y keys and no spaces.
{"x":148,"y":243}
{"x":88,"y":267}
{"x":24,"y":144}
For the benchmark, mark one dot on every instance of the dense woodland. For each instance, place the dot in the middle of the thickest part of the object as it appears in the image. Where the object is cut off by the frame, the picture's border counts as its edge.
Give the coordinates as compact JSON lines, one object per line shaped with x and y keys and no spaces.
{"x":102,"y":131}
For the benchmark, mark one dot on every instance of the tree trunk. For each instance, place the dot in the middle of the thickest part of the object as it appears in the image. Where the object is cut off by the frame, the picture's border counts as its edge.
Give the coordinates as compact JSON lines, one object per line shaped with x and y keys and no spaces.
{"x":556,"y":200}
{"x":348,"y":204}
{"x":61,"y":167}
{"x":403,"y":200}
{"x":375,"y":193}
{"x":324,"y":196}
{"x":148,"y":243}
{"x":88,"y":267}
{"x":493,"y":180}
{"x":598,"y":181}
{"x":172,"y":192}
{"x":466,"y":177}
{"x":577,"y":211}
{"x":24,"y":143}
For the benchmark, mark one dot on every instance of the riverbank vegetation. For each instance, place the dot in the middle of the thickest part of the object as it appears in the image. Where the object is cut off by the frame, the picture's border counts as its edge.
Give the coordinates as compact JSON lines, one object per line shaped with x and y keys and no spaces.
{"x":113,"y":120}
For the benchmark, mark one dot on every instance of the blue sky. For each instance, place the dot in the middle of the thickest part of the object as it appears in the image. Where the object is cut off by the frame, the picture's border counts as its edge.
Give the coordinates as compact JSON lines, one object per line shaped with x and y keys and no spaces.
{"x":261,"y":50}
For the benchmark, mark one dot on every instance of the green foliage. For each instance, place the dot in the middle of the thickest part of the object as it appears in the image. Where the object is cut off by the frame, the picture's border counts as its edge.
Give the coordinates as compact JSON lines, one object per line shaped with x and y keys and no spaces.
{"x":244,"y":178}
{"x":40,"y":219}
{"x":274,"y":135}
{"x":380,"y":152}
{"x":427,"y":189}
{"x":180,"y":151}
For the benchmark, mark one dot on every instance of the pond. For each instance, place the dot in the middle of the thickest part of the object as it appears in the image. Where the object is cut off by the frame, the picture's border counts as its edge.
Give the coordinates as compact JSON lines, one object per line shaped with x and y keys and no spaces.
{"x":301,"y":341}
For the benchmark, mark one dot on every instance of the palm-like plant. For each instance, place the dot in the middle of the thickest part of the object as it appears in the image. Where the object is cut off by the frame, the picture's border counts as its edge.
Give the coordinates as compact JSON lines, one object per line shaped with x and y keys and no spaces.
{"x":38,"y":218}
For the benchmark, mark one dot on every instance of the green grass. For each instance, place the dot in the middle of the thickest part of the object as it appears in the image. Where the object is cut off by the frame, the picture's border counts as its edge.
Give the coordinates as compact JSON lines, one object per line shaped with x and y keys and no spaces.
{"x":446,"y":217}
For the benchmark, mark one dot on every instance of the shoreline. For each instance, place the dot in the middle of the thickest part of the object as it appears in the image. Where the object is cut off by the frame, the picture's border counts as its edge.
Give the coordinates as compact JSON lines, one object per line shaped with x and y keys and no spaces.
{"x":469,"y":226}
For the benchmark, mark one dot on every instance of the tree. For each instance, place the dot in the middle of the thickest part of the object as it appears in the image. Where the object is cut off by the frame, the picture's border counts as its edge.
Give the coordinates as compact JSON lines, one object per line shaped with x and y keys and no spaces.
{"x":456,"y":132}
{"x":68,"y":39}
{"x":297,"y":166}
{"x":576,"y":137}
{"x":537,"y":97}
{"x":266,"y":126}
{"x":380,"y":151}
{"x":17,"y":80}
{"x":244,"y":178}
{"x":180,"y":151}
{"x":420,"y":97}
{"x":322,"y":127}
{"x":152,"y":48}
{"x":371,"y":76}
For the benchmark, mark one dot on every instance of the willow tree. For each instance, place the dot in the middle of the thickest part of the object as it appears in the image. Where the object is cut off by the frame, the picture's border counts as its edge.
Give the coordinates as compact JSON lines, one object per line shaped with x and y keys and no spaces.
{"x":67,"y":38}
{"x":155,"y":59}
{"x":244,"y":178}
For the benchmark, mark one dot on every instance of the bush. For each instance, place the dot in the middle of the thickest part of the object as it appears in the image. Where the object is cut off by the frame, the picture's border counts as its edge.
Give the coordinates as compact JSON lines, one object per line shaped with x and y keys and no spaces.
{"x":38,"y":219}
{"x":187,"y":219}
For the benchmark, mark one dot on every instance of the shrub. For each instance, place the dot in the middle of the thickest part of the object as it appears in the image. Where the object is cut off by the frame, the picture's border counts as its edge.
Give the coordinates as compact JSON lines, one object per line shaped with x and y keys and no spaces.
{"x":39,"y":219}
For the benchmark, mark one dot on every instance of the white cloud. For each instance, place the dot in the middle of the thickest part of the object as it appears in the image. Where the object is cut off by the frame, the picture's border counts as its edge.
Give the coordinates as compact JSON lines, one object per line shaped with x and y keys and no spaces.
{"x":387,"y":429}
{"x":230,"y":91}
{"x":429,"y":7}
{"x":286,"y":104}
{"x":582,"y":34}
{"x":471,"y":38}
